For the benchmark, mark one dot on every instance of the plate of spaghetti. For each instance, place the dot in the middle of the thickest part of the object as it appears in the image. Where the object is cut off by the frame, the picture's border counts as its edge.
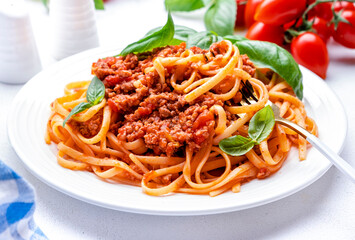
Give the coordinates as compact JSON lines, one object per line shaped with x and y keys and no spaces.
{"x":144,"y":134}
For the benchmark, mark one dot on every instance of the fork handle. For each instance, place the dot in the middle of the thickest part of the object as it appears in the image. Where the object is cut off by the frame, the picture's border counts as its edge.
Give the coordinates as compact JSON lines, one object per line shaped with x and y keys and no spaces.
{"x":340,"y":163}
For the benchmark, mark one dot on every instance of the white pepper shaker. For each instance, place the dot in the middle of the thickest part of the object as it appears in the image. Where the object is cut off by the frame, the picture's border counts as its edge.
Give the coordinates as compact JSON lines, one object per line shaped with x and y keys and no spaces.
{"x":73,"y":27}
{"x":19,"y":59}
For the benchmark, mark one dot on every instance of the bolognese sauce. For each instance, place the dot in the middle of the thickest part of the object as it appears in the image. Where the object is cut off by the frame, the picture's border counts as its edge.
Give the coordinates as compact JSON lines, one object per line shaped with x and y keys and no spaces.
{"x":154,"y":111}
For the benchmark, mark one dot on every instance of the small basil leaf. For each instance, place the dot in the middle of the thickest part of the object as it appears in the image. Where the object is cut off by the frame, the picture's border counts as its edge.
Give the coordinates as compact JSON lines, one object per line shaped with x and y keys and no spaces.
{"x":202,"y":40}
{"x":180,"y":35}
{"x":183,"y":5}
{"x":95,"y":92}
{"x":99,"y":4}
{"x":236,"y":145}
{"x":220,"y":17}
{"x":77,"y":109}
{"x":234,"y":38}
{"x":269,"y":55}
{"x":261,"y":124}
{"x":159,"y":38}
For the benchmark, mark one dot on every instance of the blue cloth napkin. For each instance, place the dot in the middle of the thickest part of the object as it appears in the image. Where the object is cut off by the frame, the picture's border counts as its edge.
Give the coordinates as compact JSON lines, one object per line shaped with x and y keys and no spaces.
{"x":17,"y":205}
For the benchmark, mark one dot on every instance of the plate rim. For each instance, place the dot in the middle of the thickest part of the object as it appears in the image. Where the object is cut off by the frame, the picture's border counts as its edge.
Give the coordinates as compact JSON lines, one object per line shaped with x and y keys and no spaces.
{"x":102,"y":50}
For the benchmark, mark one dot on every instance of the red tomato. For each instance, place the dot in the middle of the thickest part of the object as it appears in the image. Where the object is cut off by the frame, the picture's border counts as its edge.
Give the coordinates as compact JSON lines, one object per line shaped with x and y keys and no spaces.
{"x":239,"y":21}
{"x":290,"y":24}
{"x":322,"y":10}
{"x":343,"y":5}
{"x":322,"y":28}
{"x":250,"y":12}
{"x":264,"y":32}
{"x":279,"y":12}
{"x":345,"y":33}
{"x":309,"y":50}
{"x":112,"y":105}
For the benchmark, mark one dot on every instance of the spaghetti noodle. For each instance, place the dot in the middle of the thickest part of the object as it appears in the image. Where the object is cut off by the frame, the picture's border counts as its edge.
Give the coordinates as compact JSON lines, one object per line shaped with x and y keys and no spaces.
{"x":164,"y":114}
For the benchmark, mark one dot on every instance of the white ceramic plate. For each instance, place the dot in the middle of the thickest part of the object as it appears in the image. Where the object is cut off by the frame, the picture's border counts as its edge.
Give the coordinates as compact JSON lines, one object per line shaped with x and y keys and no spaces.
{"x":30,"y":111}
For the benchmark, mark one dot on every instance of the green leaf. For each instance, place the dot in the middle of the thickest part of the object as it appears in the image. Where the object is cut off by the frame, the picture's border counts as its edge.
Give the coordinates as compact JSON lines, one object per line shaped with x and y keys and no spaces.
{"x":269,"y":55}
{"x":95,"y":92}
{"x":234,"y":38}
{"x":220,"y":17}
{"x":236,"y":145}
{"x":202,"y":39}
{"x":99,"y":4}
{"x":180,"y":35}
{"x":77,"y":109}
{"x":182,"y":32}
{"x":159,"y":38}
{"x":261,"y":124}
{"x":183,"y":5}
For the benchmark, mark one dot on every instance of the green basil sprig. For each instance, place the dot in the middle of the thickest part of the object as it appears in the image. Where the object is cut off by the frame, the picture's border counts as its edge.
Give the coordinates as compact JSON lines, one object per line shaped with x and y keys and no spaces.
{"x":181,"y":34}
{"x":184,"y":5}
{"x":159,"y":38}
{"x":269,"y":55}
{"x":234,"y":38}
{"x":260,"y":127}
{"x":220,"y":17}
{"x":94,"y":95}
{"x":202,"y":39}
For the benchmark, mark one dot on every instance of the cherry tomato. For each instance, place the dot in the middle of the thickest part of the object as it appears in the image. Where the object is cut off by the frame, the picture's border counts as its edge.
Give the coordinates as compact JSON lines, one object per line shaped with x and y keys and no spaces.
{"x":345,"y":33}
{"x":239,"y":21}
{"x":322,"y":10}
{"x":322,"y":28}
{"x":265,"y":32}
{"x":343,"y":5}
{"x":279,"y":12}
{"x":290,"y":24}
{"x":309,"y":50}
{"x":250,"y":12}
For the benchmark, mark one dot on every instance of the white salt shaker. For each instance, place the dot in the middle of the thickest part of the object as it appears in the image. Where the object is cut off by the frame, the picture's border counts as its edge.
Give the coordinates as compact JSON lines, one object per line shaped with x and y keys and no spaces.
{"x":73,"y":27}
{"x":19,"y":59}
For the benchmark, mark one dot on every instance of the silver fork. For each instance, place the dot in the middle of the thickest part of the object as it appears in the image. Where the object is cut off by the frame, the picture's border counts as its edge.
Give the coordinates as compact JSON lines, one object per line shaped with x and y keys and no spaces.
{"x":249,"y":97}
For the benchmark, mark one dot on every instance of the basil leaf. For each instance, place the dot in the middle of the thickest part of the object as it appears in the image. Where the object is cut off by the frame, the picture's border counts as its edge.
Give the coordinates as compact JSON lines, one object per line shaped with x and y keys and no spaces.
{"x":234,"y":38}
{"x":202,"y":39}
{"x":180,"y":35}
{"x":183,"y":5}
{"x":269,"y":55}
{"x":77,"y":109}
{"x":99,"y":5}
{"x":95,"y":92}
{"x":220,"y":17}
{"x":236,"y":145}
{"x":261,"y":124}
{"x":159,"y":38}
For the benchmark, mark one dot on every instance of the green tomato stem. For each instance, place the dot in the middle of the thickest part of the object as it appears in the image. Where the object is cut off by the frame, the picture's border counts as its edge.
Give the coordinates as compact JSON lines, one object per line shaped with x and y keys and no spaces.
{"x":319,"y":2}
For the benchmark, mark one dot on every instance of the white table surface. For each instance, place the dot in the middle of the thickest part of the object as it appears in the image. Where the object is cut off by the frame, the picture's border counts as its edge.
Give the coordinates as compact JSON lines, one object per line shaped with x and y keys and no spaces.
{"x":324,"y":210}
